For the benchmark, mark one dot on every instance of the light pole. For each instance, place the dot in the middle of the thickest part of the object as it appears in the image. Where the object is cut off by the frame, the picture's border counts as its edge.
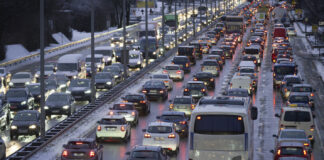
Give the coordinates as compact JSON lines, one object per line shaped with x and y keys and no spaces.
{"x":163,"y":25}
{"x":42,"y":58}
{"x":186,"y":10}
{"x":146,"y":36}
{"x":93,"y":72}
{"x":176,"y":26}
{"x":125,"y":54}
{"x":194,"y":18}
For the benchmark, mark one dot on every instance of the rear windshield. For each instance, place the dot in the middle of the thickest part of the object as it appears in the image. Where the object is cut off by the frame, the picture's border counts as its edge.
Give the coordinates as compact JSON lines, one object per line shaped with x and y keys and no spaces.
{"x":186,"y":51}
{"x":247,"y":70}
{"x":161,"y":76}
{"x":251,"y":51}
{"x":297,"y":116}
{"x":210,"y":63}
{"x":302,"y":89}
{"x":296,"y":151}
{"x":159,"y":129}
{"x":284,"y":70}
{"x":180,"y":59}
{"x":79,"y":145}
{"x":123,"y":107}
{"x":195,"y":85}
{"x":219,"y":124}
{"x":238,"y":93}
{"x":172,"y":67}
{"x":145,"y":155}
{"x":298,"y":99}
{"x":134,"y":97}
{"x":182,"y":101}
{"x":172,"y":117}
{"x":112,"y":121}
{"x":204,"y":75}
{"x":293,"y":134}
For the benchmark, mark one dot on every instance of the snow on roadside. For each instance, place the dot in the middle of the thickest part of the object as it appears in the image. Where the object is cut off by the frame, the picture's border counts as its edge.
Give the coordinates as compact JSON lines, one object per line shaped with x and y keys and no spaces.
{"x":60,"y":38}
{"x":15,"y":51}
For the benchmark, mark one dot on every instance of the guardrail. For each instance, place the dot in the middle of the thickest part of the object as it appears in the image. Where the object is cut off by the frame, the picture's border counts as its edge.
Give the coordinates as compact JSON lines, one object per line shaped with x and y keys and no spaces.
{"x":32,"y":147}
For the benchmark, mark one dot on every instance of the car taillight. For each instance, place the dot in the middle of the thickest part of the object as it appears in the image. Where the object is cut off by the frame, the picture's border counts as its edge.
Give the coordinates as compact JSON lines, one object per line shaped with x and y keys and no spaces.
{"x":186,"y":89}
{"x":183,"y":122}
{"x":171,"y":135}
{"x":161,"y":91}
{"x":195,"y":79}
{"x":193,"y":106}
{"x":282,"y":127}
{"x":99,"y":128}
{"x":165,"y":71}
{"x":187,"y":64}
{"x":146,"y":135}
{"x":283,"y":82}
{"x":92,"y":154}
{"x":286,"y":90}
{"x":166,"y":81}
{"x":203,"y":90}
{"x":65,"y":153}
{"x":111,"y":113}
{"x":212,"y":80}
{"x":255,"y":74}
{"x":133,"y":113}
{"x":178,"y":72}
{"x":312,"y":127}
{"x":278,"y":152}
{"x":274,"y":74}
{"x":312,"y":94}
{"x":202,"y":68}
{"x":238,"y":73}
{"x":306,"y":144}
{"x":142,"y":101}
{"x":305,"y":152}
{"x":122,"y":128}
{"x":144,"y":91}
{"x":124,"y":101}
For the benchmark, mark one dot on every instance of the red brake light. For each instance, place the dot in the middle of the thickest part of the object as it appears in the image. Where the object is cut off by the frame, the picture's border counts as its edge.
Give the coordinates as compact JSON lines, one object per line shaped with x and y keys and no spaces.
{"x":99,"y":128}
{"x":212,"y":79}
{"x":186,"y":89}
{"x":79,"y":143}
{"x":171,"y":106}
{"x":142,"y":101}
{"x":122,"y":105}
{"x":203,"y":90}
{"x":312,"y":94}
{"x":187,"y":64}
{"x":133,"y":113}
{"x":161,"y":91}
{"x":171,"y":135}
{"x":278,"y":152}
{"x":111,"y":113}
{"x":165,"y":71}
{"x":305,"y":152}
{"x":144,"y":91}
{"x":166,"y":81}
{"x":195,"y":79}
{"x":178,"y":72}
{"x":146,"y":135}
{"x":183,"y":122}
{"x":122,"y":128}
{"x":92,"y":154}
{"x":65,"y":153}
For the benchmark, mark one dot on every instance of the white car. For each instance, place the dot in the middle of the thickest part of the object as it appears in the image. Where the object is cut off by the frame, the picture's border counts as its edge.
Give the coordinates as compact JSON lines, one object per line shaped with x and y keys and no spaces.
{"x":20,"y":79}
{"x":126,"y":110}
{"x":98,"y":59}
{"x":161,"y":134}
{"x":113,"y":127}
{"x":174,"y":72}
{"x":165,"y":78}
{"x":244,"y":82}
{"x":291,"y":31}
{"x":135,"y":59}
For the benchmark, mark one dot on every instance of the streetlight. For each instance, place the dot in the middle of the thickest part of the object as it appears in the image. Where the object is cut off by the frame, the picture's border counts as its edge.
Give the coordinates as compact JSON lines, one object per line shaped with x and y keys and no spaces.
{"x":194,"y":18}
{"x":42,"y":58}
{"x":146,"y":36}
{"x":93,"y":72}
{"x":163,"y":31}
{"x":176,"y":26}
{"x":125,"y":54}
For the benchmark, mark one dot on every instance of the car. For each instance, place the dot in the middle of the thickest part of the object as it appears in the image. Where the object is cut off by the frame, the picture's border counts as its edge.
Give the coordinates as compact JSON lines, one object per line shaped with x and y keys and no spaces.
{"x":300,"y":99}
{"x":174,"y":71}
{"x":228,"y":51}
{"x":116,"y":39}
{"x":244,"y":82}
{"x":4,"y":115}
{"x":256,"y":40}
{"x":282,"y":69}
{"x":155,"y":89}
{"x":122,"y":67}
{"x":113,"y":127}
{"x":291,"y":31}
{"x":254,"y":50}
{"x":183,"y":61}
{"x":59,"y":104}
{"x":34,"y":90}
{"x":182,"y":104}
{"x":82,"y":148}
{"x":188,"y":51}
{"x":135,"y":59}
{"x":287,"y":83}
{"x":19,"y":99}
{"x":25,"y":122}
{"x":80,"y":89}
{"x":161,"y":134}
{"x":116,"y":72}
{"x":237,"y":92}
{"x":20,"y":79}
{"x":147,"y":152}
{"x":291,"y":150}
{"x":205,"y":77}
{"x":218,"y":58}
{"x":179,"y":119}
{"x":127,"y":110}
{"x":165,"y":78}
{"x":51,"y":86}
{"x":195,"y":89}
{"x":140,"y":101}
{"x":250,"y":58}
{"x":304,"y":88}
{"x":99,"y":63}
{"x":107,"y":52}
{"x":211,"y":66}
{"x":293,"y":135}
{"x":49,"y":69}
{"x":251,"y":72}
{"x":104,"y":80}
{"x":2,"y":149}
{"x":62,"y":80}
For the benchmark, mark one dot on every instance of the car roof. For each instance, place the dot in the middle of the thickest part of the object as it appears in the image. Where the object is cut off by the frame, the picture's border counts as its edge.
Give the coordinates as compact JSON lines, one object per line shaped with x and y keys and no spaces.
{"x":183,"y":97}
{"x":302,"y":85}
{"x":292,"y":76}
{"x":195,"y":82}
{"x":95,"y":56}
{"x":82,"y":140}
{"x":298,"y":94}
{"x":29,"y":111}
{"x":23,"y":73}
{"x":104,"y":48}
{"x":113,"y":117}
{"x":290,"y":144}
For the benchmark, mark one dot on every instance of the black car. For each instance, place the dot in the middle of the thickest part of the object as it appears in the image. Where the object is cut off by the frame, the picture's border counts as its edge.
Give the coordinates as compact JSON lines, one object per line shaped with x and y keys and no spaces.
{"x":147,"y":152}
{"x":195,"y":89}
{"x":26,"y":122}
{"x":183,"y":61}
{"x":82,"y":148}
{"x":188,"y":51}
{"x":205,"y":77}
{"x":34,"y":89}
{"x":80,"y":89}
{"x":140,"y":101}
{"x":116,"y":71}
{"x":155,"y":89}
{"x":51,"y":85}
{"x":256,"y":40}
{"x":61,"y":80}
{"x":104,"y":80}
{"x":59,"y":104}
{"x":218,"y":51}
{"x":229,"y":52}
{"x":177,"y":118}
{"x":19,"y":99}
{"x":250,"y":58}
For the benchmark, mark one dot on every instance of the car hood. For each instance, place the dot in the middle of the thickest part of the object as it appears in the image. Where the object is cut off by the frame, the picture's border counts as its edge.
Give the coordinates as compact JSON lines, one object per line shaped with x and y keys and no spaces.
{"x":56,"y":103}
{"x":102,"y":80}
{"x":23,"y":80}
{"x":78,"y":88}
{"x":16,"y":99}
{"x":23,"y":123}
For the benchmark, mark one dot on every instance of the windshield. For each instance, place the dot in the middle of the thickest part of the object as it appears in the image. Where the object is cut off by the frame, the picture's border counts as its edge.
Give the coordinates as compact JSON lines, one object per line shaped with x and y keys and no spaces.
{"x":104,"y":52}
{"x":172,"y":68}
{"x":33,"y":88}
{"x":159,"y":129}
{"x":145,"y":155}
{"x":295,"y":151}
{"x":172,"y":118}
{"x":204,"y":75}
{"x":79,"y":83}
{"x":103,"y":75}
{"x":293,"y":134}
{"x":298,"y":99}
{"x":20,"y":76}
{"x":284,"y":70}
{"x":185,"y":51}
{"x":210,"y":63}
{"x":25,"y":116}
{"x":292,"y":81}
{"x":67,"y":66}
{"x":219,"y":124}
{"x":57,"y":98}
{"x":302,"y":89}
{"x":112,"y":69}
{"x":112,"y":121}
{"x":251,"y":51}
{"x":16,"y":94}
{"x":182,"y":101}
{"x":97,"y":60}
{"x":134,"y":97}
{"x":195,"y":85}
{"x":160,"y":76}
{"x":180,"y":59}
{"x":297,"y":116}
{"x":133,"y":56}
{"x":123,"y":107}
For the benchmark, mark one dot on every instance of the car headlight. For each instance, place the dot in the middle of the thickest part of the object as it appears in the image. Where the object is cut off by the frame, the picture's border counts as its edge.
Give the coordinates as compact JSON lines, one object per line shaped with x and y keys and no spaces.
{"x":10,"y":84}
{"x":26,"y":83}
{"x":46,"y":107}
{"x":138,"y":62}
{"x":36,"y":75}
{"x":13,"y":127}
{"x":108,"y":83}
{"x":154,"y":53}
{"x":62,"y":85}
{"x":74,"y":77}
{"x":115,"y":76}
{"x":23,"y":102}
{"x":66,"y":107}
{"x":113,"y":45}
{"x":67,"y":91}
{"x":32,"y":126}
{"x":87,"y":91}
{"x":109,"y":58}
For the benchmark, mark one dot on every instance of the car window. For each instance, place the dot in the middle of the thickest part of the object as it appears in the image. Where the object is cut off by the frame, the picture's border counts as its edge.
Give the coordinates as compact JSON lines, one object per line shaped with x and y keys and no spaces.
{"x":219,"y":124}
{"x":17,"y":93}
{"x":182,"y":101}
{"x":195,"y":85}
{"x":112,"y":121}
{"x":20,"y":76}
{"x":296,"y":151}
{"x":237,"y":93}
{"x":25,"y":116}
{"x":172,"y":117}
{"x":134,"y":97}
{"x":159,"y":129}
{"x":160,"y":76}
{"x":297,"y":116}
{"x":123,"y":107}
{"x":57,"y":98}
{"x":145,"y":154}
{"x":79,"y":145}
{"x":79,"y":83}
{"x":298,"y":99}
{"x":154,"y":84}
{"x":210,"y":63}
{"x":104,"y":75}
{"x":302,"y":89}
{"x":172,"y":68}
{"x":293,"y":134}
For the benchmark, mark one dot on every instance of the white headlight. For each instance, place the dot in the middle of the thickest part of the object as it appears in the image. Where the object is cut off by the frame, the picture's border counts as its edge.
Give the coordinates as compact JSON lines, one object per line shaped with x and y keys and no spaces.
{"x":23,"y":102}
{"x":67,"y":91}
{"x":26,"y":82}
{"x":10,"y":84}
{"x":36,"y":75}
{"x":13,"y":127}
{"x":109,"y":58}
{"x":109,"y":83}
{"x":138,"y":62}
{"x":32,"y":126}
{"x":88,"y":91}
{"x":115,"y":76}
{"x":46,"y":107}
{"x":66,"y":107}
{"x":154,"y":53}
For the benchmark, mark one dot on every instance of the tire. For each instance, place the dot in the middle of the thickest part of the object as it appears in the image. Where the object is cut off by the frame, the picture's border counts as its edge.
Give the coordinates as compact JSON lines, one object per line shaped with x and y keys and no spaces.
{"x":13,"y":137}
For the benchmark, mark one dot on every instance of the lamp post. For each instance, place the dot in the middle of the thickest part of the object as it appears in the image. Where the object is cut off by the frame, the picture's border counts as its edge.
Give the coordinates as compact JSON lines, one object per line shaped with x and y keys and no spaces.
{"x":163,"y":25}
{"x":176,"y":26}
{"x":93,"y":72}
{"x":42,"y":56}
{"x":146,"y":36}
{"x":125,"y":54}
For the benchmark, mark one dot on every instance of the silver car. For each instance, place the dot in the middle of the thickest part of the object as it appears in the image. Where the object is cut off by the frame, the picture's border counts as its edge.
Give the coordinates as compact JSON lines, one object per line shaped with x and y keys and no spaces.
{"x":126,"y":110}
{"x":293,"y":135}
{"x":21,"y":79}
{"x":165,"y":78}
{"x":182,"y":104}
{"x":174,"y":71}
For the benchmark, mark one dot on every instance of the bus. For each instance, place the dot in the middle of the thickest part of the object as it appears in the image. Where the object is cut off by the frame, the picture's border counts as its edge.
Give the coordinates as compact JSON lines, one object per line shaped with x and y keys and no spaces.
{"x":222,"y":128}
{"x":234,"y":24}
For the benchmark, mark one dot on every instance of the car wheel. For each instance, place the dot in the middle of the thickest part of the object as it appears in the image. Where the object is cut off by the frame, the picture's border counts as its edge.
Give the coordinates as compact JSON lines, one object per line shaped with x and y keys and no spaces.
{"x":13,"y":137}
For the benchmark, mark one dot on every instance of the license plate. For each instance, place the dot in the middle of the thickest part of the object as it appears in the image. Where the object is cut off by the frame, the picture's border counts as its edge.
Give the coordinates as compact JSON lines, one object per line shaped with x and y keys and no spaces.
{"x":110,"y":129}
{"x":55,"y":111}
{"x":153,"y":91}
{"x":290,"y":127}
{"x":159,"y":138}
{"x":23,"y":130}
{"x":100,"y":86}
{"x":78,"y":154}
{"x":181,"y":107}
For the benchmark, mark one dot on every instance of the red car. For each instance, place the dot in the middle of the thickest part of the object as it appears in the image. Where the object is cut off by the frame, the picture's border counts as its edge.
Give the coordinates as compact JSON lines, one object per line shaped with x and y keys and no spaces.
{"x":291,"y":150}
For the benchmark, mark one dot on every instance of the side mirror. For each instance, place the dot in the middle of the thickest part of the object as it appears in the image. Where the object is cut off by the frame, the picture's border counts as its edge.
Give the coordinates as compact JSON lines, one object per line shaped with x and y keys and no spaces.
{"x":127,"y":153}
{"x":144,"y":130}
{"x":254,"y":113}
{"x":274,"y":136}
{"x":64,"y":145}
{"x":277,"y":115}
{"x":158,"y":117}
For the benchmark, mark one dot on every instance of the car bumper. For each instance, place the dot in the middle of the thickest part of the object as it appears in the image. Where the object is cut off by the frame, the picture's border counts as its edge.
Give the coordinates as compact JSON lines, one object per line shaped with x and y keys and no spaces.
{"x":110,"y":135}
{"x":170,"y":145}
{"x":24,"y":131}
{"x":57,"y":111}
{"x":103,"y":86}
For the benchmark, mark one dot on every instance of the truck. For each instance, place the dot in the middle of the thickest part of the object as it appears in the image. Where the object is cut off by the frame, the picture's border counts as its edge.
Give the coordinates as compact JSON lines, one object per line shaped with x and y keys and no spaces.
{"x":152,"y":30}
{"x":261,"y":15}
{"x":171,"y":20}
{"x":234,"y":24}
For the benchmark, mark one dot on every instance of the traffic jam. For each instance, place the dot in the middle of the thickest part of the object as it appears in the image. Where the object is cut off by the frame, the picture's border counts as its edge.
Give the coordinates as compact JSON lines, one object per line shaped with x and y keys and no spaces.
{"x":199,"y":104}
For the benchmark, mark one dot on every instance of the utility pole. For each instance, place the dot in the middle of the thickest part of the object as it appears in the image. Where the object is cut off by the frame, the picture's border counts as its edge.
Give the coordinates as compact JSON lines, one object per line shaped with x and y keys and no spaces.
{"x":125,"y":54}
{"x":176,"y":26}
{"x":207,"y":12}
{"x":194,"y":18}
{"x":93,"y":72}
{"x":186,"y":10}
{"x":146,"y":36}
{"x":42,"y":58}
{"x":163,"y":27}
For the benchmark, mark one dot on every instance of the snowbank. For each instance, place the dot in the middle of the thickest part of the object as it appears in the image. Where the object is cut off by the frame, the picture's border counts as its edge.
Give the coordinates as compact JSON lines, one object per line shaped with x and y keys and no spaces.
{"x":15,"y":51}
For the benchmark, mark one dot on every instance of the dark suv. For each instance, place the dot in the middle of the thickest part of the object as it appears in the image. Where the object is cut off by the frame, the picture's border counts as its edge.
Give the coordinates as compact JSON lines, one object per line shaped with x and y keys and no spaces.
{"x":80,"y":89}
{"x":26,"y":122}
{"x":147,"y":152}
{"x":59,"y":104}
{"x":188,"y":51}
{"x":82,"y":148}
{"x":155,"y":89}
{"x":19,"y":99}
{"x":140,"y":101}
{"x":183,"y":62}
